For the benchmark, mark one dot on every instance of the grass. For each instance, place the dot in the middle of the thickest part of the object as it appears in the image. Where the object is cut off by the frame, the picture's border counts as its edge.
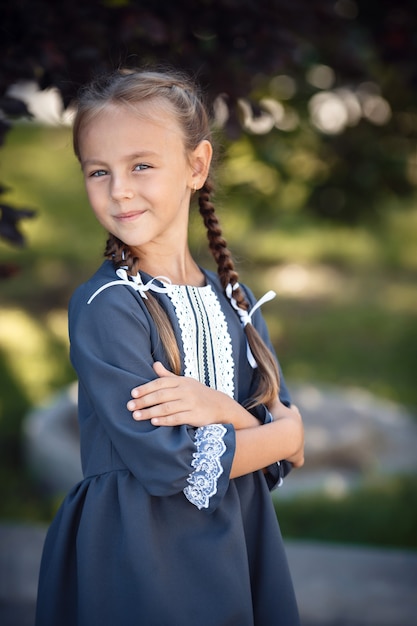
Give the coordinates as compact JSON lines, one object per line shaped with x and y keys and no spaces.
{"x":346,"y":313}
{"x":383,"y":515}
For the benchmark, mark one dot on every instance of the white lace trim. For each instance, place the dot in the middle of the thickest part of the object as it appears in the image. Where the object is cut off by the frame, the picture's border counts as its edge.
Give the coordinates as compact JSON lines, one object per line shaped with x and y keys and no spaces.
{"x":188,"y":326}
{"x":208,"y":358}
{"x":206,"y":461}
{"x":208,"y":355}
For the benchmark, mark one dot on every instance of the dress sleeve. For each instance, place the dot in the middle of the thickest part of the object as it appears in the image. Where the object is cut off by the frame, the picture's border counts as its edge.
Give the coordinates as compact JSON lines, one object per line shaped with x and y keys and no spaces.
{"x":113,"y":345}
{"x":276,"y":472}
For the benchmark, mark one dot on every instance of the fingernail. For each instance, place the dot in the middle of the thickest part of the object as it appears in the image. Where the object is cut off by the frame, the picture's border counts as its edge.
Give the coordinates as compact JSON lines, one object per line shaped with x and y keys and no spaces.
{"x":130,"y":405}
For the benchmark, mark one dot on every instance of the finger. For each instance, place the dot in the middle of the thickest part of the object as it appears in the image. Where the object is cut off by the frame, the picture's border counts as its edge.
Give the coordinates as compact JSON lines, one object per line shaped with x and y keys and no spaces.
{"x":161,"y":370}
{"x":175,"y":419}
{"x":154,"y":385}
{"x":153,"y":398}
{"x":169,"y":413}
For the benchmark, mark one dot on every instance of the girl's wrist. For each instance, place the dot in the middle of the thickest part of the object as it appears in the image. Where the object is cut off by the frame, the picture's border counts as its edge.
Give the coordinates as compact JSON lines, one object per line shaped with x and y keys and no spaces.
{"x":244,"y":419}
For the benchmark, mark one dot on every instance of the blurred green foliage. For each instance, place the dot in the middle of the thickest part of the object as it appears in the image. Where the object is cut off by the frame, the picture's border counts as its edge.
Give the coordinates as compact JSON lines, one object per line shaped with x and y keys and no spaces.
{"x":346,"y":311}
{"x":317,"y":109}
{"x":324,"y":90}
{"x":383,"y":515}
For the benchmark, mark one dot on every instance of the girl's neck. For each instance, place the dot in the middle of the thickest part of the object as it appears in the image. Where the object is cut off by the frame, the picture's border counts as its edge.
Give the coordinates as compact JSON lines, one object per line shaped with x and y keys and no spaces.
{"x":180,"y":271}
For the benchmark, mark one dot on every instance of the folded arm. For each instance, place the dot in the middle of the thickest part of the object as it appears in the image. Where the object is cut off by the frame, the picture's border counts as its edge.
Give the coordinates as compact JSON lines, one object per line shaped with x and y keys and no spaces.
{"x":172,"y":400}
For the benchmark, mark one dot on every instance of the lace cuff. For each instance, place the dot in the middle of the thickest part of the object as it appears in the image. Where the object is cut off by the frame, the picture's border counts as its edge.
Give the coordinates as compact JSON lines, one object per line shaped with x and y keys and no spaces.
{"x":202,"y":481}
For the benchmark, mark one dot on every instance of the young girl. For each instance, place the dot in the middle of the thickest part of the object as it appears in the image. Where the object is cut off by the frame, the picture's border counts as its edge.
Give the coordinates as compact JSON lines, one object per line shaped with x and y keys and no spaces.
{"x":184,"y":419}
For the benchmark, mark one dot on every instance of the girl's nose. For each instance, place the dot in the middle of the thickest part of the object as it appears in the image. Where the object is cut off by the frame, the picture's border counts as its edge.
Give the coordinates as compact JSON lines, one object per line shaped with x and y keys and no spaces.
{"x":121,"y":189}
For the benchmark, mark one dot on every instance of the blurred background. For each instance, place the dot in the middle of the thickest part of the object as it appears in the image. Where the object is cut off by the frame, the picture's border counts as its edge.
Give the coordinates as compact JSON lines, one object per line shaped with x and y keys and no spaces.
{"x":315,"y":112}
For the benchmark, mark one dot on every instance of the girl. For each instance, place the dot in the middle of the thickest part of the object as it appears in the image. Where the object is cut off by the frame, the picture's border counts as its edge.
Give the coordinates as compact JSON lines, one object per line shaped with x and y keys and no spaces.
{"x":184,"y":420}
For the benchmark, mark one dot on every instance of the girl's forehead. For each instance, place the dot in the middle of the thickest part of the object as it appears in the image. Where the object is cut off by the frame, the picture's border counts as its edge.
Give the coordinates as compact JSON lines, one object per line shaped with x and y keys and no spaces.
{"x":115,"y":125}
{"x":155,"y":112}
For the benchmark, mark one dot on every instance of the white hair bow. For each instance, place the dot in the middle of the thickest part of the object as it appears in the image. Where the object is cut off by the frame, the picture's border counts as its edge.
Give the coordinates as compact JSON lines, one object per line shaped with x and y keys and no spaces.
{"x":246,"y":316}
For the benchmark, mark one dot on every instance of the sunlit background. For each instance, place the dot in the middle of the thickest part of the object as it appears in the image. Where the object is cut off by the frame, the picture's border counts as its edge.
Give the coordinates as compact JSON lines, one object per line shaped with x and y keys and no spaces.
{"x":316,"y":191}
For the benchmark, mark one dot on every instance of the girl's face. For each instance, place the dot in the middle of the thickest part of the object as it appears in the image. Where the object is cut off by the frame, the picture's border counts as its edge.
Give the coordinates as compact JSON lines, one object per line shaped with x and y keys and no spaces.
{"x":138,"y":177}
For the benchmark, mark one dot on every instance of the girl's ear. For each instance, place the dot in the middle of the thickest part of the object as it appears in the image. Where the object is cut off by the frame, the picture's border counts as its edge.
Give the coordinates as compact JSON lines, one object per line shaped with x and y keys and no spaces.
{"x":200,"y":164}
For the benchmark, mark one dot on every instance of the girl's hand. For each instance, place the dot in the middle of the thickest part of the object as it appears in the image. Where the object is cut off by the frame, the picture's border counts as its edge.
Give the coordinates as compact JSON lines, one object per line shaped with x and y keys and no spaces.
{"x":172,"y":400}
{"x":280,"y":411}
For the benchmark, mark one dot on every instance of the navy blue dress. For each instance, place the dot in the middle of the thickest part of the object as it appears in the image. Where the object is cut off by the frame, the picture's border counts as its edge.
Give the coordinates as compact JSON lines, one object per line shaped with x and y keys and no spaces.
{"x":157,"y":534}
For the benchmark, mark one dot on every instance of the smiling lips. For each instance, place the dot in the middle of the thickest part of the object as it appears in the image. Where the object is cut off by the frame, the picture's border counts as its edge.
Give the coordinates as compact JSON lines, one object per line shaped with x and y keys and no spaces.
{"x":127,"y":217}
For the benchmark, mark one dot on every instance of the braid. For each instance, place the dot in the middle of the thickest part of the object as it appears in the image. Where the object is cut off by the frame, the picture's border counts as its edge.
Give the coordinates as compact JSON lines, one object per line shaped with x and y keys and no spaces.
{"x":268,"y":386}
{"x":121,"y":255}
{"x":182,"y":98}
{"x":217,"y":243}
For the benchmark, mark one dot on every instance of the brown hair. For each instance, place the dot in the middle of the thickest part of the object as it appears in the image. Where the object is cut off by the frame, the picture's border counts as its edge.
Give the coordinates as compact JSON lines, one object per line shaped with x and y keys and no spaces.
{"x":173,"y":89}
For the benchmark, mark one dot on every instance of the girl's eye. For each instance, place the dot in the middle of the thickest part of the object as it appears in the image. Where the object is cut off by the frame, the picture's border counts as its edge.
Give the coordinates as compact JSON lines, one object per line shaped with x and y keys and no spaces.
{"x":140,"y":167}
{"x":97,"y":173}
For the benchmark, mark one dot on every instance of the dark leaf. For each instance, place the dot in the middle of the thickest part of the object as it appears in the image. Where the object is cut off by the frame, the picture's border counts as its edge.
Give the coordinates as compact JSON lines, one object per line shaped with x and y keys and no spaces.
{"x":13,"y":107}
{"x":9,"y":222}
{"x":8,"y":270}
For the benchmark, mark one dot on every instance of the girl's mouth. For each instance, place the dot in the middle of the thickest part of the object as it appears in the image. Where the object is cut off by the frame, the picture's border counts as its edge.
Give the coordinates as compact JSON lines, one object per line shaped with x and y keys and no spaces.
{"x":130,"y":216}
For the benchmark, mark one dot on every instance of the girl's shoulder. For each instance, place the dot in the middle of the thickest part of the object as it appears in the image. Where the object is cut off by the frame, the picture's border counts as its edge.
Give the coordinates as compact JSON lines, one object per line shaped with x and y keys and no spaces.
{"x":107,"y":288}
{"x":103,"y":275}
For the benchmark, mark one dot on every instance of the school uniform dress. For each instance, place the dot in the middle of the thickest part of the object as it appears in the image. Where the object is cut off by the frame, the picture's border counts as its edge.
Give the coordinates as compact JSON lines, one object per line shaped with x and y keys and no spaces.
{"x":157,"y":534}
